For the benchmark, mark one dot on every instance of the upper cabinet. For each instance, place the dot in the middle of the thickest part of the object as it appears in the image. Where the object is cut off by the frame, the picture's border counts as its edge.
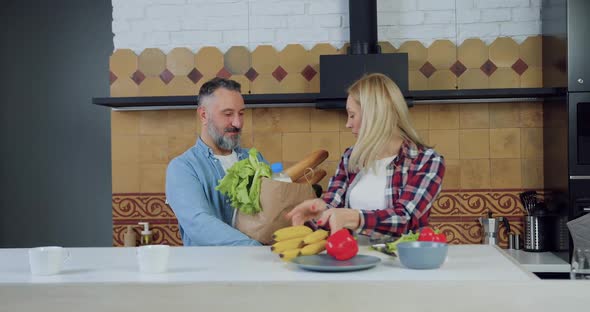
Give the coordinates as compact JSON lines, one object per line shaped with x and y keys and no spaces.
{"x":578,"y":26}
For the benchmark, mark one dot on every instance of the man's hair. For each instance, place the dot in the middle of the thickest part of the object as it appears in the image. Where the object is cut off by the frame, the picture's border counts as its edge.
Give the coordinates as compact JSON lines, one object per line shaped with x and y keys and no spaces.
{"x":212,"y":85}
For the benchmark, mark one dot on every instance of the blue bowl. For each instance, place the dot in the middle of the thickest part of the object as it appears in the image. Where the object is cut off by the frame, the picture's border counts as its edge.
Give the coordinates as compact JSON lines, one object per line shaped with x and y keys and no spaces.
{"x":422,"y":255}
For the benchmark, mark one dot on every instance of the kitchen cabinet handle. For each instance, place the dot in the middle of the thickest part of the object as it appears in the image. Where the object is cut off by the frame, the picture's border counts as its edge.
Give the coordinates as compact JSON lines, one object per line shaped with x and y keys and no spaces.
{"x":579,"y":177}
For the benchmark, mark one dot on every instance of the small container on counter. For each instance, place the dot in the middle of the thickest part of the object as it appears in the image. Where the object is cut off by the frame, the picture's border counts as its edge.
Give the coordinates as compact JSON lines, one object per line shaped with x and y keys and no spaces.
{"x":514,"y":241}
{"x":538,"y":233}
{"x":130,"y":238}
{"x":146,"y":234}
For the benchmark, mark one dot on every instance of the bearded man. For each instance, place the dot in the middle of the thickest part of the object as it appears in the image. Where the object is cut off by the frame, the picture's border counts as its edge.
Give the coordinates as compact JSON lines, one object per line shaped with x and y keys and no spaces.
{"x":205,"y":217}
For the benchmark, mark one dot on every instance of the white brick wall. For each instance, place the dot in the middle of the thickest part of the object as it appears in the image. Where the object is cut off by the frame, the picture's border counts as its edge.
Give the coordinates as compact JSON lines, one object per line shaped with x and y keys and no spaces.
{"x":166,"y":24}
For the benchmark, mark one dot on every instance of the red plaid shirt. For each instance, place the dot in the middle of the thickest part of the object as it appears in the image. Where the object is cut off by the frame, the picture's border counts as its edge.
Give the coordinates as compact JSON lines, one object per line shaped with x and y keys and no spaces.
{"x":414,"y":180}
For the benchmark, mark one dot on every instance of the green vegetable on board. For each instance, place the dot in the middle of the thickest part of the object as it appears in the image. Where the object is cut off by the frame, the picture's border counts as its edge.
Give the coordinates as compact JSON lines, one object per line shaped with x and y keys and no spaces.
{"x":242,"y":181}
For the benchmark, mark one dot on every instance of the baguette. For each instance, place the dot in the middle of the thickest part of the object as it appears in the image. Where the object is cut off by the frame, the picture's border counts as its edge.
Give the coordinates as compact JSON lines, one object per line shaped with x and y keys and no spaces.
{"x":318,"y":175}
{"x":310,"y":161}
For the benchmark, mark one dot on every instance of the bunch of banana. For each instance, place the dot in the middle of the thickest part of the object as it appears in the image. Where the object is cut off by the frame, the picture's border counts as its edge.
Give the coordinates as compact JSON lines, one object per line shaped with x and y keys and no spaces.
{"x":299,"y":240}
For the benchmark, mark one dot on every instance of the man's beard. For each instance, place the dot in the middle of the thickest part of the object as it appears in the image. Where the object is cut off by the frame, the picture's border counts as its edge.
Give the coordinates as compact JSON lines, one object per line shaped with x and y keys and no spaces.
{"x":223,"y":142}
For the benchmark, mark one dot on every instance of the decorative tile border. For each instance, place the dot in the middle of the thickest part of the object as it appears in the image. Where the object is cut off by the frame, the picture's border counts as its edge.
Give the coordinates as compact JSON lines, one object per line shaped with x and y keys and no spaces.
{"x":129,"y":209}
{"x":470,"y":232}
{"x":161,"y":234}
{"x":467,"y":203}
{"x":141,"y":206}
{"x":308,"y":72}
{"x":455,"y":212}
{"x":442,"y":65}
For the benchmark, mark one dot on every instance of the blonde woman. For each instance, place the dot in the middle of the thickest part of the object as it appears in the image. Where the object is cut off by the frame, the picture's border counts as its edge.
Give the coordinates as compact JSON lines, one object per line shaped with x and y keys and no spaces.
{"x":385,"y":184}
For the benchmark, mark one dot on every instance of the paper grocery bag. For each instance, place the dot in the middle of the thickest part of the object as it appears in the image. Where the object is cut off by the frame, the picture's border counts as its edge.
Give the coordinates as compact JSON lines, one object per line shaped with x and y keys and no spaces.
{"x":276,"y":199}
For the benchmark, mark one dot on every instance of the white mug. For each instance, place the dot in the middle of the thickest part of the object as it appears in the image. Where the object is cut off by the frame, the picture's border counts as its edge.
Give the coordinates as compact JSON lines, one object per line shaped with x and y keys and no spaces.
{"x":153,"y":258}
{"x":47,"y":260}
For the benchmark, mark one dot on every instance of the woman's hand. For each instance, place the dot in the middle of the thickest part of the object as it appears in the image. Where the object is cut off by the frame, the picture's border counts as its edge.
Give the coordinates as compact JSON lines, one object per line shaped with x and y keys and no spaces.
{"x":339,"y":218}
{"x":316,"y":209}
{"x":306,"y":211}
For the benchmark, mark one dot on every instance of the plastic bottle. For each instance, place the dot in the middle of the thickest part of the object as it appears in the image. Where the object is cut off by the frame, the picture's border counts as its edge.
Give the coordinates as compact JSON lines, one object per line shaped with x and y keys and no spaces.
{"x":278,"y":174}
{"x":146,"y":234}
{"x":130,"y":237}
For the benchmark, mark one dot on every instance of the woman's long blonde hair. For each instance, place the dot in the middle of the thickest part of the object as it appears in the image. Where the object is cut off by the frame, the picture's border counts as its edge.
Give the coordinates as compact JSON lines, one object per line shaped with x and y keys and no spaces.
{"x":384,"y":116}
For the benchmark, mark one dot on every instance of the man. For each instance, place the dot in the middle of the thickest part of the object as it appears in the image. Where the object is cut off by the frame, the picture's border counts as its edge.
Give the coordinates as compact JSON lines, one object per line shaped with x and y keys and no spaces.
{"x":204,"y":215}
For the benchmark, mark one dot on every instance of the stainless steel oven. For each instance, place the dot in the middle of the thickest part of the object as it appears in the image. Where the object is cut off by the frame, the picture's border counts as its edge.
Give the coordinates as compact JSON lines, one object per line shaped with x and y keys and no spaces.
{"x":579,"y":135}
{"x":579,"y":197}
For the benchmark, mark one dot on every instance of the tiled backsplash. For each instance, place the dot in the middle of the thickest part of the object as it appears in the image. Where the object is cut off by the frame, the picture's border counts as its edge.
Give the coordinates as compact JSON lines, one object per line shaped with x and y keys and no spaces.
{"x":472,"y":65}
{"x":492,"y":150}
{"x":486,"y":146}
{"x":454,"y":212}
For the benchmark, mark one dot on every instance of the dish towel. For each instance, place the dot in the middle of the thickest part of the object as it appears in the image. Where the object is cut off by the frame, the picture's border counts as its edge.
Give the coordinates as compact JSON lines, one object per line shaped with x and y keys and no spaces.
{"x":580,"y":230}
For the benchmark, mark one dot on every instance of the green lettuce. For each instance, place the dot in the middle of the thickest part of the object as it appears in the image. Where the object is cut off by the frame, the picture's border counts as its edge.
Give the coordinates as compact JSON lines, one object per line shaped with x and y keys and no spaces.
{"x":409,"y":237}
{"x":242,"y":181}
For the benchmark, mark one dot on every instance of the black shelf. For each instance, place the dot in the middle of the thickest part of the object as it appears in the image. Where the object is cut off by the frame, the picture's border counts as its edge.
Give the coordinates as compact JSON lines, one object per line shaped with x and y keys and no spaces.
{"x":486,"y":93}
{"x":186,"y":100}
{"x":315,"y":99}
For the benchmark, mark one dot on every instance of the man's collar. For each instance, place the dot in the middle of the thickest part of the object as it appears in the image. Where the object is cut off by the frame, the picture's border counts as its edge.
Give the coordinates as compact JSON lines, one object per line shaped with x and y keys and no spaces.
{"x":204,"y":148}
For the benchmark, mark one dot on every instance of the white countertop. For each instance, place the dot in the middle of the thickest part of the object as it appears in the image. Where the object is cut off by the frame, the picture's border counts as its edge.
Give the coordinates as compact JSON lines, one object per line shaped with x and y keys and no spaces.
{"x":253,"y":264}
{"x":474,"y":278}
{"x":541,"y":262}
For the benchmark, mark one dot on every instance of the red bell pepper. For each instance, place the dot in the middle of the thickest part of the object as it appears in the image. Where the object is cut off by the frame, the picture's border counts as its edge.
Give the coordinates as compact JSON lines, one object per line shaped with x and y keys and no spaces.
{"x":341,"y":245}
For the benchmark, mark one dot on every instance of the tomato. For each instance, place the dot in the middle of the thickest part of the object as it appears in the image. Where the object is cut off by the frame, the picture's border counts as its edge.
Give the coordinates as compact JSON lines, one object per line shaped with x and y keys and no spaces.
{"x":429,"y":235}
{"x":426,"y":235}
{"x":341,"y":245}
{"x":440,"y":237}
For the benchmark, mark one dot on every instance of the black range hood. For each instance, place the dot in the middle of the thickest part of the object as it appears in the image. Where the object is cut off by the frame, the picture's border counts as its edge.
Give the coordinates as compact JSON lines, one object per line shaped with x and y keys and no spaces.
{"x":338,"y":72}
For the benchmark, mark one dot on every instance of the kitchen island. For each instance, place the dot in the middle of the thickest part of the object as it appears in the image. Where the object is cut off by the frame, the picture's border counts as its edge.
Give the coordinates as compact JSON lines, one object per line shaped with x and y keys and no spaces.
{"x":478,"y":277}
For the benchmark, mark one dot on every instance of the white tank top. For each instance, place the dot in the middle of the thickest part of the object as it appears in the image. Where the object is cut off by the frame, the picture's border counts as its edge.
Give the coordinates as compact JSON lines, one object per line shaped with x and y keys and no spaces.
{"x":227,"y":161}
{"x":368,"y":193}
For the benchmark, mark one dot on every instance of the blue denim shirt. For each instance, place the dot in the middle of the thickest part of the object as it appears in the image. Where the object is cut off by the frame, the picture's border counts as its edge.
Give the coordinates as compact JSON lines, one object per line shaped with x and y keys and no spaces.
{"x":204,"y":214}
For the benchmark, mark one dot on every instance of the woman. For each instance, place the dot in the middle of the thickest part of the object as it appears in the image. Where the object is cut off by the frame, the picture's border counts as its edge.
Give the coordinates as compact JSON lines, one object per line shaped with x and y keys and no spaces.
{"x":385,"y":184}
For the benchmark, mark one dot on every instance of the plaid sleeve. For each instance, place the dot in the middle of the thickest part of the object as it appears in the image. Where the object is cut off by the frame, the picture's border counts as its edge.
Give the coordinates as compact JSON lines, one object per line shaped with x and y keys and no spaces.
{"x":334,"y":196}
{"x":411,"y":210}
